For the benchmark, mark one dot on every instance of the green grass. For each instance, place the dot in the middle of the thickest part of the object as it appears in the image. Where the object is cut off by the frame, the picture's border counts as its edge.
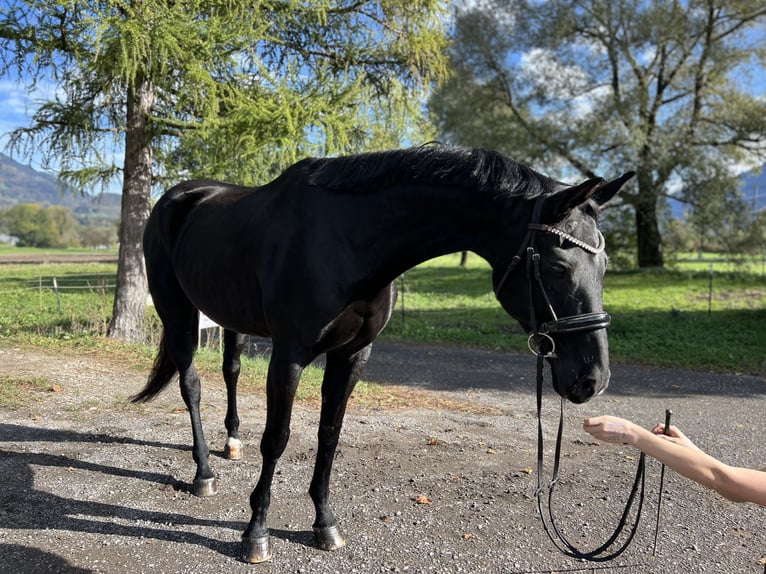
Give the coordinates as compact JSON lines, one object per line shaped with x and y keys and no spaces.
{"x":718,"y":262}
{"x":29,"y":305}
{"x":675,"y":318}
{"x":20,"y":392}
{"x":440,"y":302}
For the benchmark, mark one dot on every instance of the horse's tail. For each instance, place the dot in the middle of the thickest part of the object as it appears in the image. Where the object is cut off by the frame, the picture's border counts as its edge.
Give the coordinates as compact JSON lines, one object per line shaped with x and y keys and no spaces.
{"x":162,"y":373}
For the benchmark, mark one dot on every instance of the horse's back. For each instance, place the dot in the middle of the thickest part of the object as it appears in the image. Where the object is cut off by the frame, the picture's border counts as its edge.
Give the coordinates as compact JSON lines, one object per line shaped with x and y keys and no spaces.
{"x":176,"y":203}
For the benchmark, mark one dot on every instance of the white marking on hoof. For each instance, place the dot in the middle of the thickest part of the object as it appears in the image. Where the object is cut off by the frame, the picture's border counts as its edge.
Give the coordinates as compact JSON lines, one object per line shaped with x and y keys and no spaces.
{"x":233,"y":449}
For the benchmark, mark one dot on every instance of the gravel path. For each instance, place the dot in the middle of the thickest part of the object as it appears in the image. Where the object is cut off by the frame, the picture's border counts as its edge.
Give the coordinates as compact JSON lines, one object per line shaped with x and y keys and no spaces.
{"x":94,"y":485}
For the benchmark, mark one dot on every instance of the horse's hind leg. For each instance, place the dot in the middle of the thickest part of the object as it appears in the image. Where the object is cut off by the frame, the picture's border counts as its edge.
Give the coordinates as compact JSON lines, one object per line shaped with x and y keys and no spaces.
{"x":233,"y":345}
{"x":341,"y":374}
{"x":285,"y":369}
{"x":181,"y":345}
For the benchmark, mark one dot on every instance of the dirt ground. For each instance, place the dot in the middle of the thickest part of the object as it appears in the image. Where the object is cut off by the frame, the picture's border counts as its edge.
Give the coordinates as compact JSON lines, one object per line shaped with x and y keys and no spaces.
{"x":91,"y":484}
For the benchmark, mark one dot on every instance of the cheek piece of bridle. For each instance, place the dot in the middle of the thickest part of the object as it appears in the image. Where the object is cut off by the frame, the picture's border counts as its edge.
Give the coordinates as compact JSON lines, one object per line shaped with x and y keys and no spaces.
{"x":542,"y":344}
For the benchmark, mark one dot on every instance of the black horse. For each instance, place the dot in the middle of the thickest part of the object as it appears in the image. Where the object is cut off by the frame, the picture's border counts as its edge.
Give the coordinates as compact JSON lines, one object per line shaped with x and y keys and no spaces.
{"x":310,"y":260}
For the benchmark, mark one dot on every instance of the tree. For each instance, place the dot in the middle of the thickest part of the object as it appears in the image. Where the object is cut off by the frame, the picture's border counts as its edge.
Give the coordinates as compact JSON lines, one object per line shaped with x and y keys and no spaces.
{"x":664,"y":88}
{"x":98,"y":235}
{"x":213,"y":88}
{"x":65,"y":226}
{"x":31,"y":224}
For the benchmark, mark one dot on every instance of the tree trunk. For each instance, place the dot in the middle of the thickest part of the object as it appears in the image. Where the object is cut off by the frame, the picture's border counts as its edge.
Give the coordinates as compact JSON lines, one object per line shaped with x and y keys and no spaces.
{"x":129,"y":309}
{"x":647,"y":229}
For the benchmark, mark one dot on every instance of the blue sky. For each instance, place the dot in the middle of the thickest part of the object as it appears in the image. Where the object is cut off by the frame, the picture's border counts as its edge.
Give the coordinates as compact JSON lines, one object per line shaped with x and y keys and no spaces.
{"x":16,"y":110}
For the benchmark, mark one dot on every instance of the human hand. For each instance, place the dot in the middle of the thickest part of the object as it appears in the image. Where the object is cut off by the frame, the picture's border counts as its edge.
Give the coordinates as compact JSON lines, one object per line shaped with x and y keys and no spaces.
{"x":610,"y":429}
{"x":674,"y":435}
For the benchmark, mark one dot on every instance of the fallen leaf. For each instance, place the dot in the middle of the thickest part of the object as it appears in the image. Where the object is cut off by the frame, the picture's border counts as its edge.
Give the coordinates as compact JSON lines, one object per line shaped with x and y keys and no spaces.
{"x":432,"y":442}
{"x":630,"y":457}
{"x":762,"y":561}
{"x":384,"y":518}
{"x":55,"y":388}
{"x":491,"y":451}
{"x":527,"y":470}
{"x":467,"y":536}
{"x":423,"y":499}
{"x":70,"y":469}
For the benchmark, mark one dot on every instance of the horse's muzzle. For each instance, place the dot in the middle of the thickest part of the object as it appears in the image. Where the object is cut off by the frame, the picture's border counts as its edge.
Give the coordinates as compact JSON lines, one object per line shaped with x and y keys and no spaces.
{"x":585,"y":388}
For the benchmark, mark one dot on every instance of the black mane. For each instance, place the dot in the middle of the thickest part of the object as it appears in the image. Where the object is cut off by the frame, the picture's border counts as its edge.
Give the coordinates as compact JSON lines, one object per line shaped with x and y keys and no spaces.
{"x":489,"y":171}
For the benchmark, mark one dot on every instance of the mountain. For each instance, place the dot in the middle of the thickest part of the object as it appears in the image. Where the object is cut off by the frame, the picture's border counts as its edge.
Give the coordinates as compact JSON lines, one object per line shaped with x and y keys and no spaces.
{"x":22,"y":184}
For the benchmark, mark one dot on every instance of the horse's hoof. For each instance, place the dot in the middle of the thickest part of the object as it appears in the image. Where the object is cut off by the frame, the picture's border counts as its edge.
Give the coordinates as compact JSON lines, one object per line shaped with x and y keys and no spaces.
{"x":329,"y":537}
{"x":233,"y":449}
{"x":255,"y":550}
{"x":203,"y":487}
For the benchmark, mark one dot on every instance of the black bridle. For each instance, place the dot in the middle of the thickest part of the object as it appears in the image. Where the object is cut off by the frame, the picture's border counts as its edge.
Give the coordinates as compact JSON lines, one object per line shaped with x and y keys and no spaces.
{"x":542,"y":344}
{"x":571,"y":324}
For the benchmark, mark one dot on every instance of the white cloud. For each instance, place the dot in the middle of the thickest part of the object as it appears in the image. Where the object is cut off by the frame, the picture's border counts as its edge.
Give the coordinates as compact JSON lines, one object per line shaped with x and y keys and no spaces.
{"x":569,"y":84}
{"x":15,"y":109}
{"x":541,"y":68}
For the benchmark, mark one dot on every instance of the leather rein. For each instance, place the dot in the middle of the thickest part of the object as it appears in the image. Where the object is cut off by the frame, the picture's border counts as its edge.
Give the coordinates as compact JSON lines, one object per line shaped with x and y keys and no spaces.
{"x":542,"y":344}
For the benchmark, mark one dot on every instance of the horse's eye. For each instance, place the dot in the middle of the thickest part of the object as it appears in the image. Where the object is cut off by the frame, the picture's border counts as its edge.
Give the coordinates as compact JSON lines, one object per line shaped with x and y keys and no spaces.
{"x":558,"y":269}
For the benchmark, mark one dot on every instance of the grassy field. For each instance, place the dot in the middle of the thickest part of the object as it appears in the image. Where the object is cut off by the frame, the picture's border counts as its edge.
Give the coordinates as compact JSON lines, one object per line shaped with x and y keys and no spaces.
{"x":719,"y":263}
{"x":669,"y":318}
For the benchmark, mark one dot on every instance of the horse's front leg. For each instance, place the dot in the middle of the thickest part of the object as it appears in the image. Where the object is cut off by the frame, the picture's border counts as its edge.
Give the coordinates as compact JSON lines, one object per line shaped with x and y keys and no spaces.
{"x":233,"y":345}
{"x":341,"y":375}
{"x":285,"y":369}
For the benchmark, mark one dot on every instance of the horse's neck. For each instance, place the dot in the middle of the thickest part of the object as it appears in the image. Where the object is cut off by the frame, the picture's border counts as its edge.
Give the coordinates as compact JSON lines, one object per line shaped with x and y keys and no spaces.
{"x":430,"y":222}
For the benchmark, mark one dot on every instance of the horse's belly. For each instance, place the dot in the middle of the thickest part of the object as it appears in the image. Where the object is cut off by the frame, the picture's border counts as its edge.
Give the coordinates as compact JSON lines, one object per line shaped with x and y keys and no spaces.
{"x":230,"y":297}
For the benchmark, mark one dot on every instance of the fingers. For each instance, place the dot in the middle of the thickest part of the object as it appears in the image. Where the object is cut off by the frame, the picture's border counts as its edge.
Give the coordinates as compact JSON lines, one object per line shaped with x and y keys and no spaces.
{"x":672,"y":431}
{"x":674,"y":435}
{"x":591,"y":422}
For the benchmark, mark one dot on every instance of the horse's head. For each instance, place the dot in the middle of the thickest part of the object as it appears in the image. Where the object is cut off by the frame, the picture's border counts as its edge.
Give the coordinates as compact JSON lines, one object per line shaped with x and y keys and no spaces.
{"x":560,"y":266}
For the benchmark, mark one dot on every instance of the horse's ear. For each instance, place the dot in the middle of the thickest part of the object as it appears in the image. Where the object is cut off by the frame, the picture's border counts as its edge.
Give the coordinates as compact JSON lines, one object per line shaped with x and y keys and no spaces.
{"x":558,"y":205}
{"x":562,"y":202}
{"x":608,"y":190}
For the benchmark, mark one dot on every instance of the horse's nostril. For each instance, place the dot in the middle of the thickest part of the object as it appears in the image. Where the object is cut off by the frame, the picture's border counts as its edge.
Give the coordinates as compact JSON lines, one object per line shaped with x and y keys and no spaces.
{"x":583,"y":390}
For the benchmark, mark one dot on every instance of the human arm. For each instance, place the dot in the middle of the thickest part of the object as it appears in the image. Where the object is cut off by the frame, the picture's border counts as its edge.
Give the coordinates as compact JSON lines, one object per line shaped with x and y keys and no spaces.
{"x":679,"y":453}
